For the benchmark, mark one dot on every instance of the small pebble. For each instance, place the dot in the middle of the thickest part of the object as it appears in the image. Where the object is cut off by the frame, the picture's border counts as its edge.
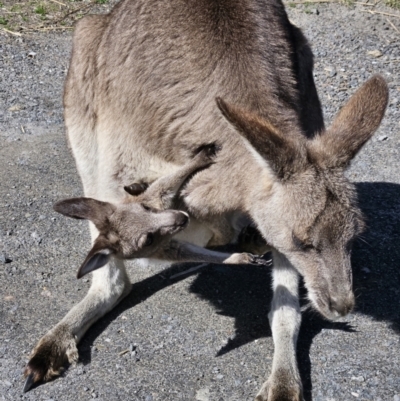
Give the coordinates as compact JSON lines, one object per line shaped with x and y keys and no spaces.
{"x":374,"y":53}
{"x":4,"y":259}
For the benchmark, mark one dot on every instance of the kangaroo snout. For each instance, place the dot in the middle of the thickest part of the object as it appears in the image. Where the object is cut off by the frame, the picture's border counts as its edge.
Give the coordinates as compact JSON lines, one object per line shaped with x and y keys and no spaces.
{"x":176,"y":222}
{"x":343,"y":305}
{"x":182,"y":219}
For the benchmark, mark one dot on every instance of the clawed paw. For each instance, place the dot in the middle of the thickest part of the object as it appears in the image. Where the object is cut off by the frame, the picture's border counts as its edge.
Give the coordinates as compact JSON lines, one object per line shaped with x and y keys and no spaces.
{"x":281,"y":387}
{"x":261,"y":260}
{"x":55,"y":350}
{"x":247,"y":258}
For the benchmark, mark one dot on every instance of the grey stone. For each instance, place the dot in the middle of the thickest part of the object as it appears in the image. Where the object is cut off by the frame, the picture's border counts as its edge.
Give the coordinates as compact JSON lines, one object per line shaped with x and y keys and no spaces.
{"x":5,"y":259}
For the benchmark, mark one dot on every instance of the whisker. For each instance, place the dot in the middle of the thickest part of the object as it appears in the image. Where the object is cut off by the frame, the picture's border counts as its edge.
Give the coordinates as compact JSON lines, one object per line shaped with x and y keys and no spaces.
{"x":364,"y":240}
{"x":306,"y":307}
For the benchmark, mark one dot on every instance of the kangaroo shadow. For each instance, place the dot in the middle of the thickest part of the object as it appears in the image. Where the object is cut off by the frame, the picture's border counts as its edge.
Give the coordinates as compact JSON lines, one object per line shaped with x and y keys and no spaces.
{"x":244,"y":292}
{"x":376,"y":255}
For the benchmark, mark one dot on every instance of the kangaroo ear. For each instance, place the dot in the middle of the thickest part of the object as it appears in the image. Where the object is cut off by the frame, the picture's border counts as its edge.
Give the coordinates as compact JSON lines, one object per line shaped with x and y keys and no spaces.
{"x":285,"y":155}
{"x":98,"y":256}
{"x":353,"y":126}
{"x":86,"y":208}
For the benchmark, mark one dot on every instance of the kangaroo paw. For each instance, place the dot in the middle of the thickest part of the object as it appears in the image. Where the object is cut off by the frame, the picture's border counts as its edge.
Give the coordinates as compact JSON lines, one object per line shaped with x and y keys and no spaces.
{"x":265,"y":260}
{"x":52,"y":353}
{"x":245,"y":259}
{"x":281,"y":387}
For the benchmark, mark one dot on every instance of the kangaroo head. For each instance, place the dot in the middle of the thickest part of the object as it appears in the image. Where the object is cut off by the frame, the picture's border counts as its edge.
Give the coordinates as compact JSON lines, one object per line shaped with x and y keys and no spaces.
{"x":127,"y":231}
{"x":303,"y":204}
{"x":139,"y":228}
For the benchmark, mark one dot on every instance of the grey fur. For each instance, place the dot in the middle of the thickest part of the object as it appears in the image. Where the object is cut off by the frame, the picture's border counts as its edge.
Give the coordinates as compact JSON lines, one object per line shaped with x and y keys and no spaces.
{"x":140,"y":98}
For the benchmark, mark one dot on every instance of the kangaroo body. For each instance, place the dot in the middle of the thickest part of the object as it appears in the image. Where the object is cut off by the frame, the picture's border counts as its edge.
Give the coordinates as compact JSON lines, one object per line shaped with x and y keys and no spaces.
{"x":140,"y":96}
{"x":176,"y":60}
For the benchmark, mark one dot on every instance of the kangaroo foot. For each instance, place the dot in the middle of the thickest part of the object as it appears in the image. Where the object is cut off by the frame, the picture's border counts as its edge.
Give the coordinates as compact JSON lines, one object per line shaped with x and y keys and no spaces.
{"x":247,"y":258}
{"x":52,"y":353}
{"x":281,"y":386}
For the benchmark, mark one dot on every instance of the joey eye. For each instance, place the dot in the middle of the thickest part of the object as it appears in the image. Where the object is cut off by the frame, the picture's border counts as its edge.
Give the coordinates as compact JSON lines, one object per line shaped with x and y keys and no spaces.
{"x":145,"y":207}
{"x":149,"y":239}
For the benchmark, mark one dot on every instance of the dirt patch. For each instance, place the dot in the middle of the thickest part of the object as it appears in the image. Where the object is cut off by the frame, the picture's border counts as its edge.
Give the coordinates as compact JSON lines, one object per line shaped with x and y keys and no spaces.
{"x":46,"y":15}
{"x":18,"y":16}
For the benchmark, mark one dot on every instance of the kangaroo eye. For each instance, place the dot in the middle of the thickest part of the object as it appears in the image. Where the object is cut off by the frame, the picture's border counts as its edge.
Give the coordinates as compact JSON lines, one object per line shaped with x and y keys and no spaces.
{"x":149,"y":239}
{"x":145,"y":207}
{"x":300,"y":245}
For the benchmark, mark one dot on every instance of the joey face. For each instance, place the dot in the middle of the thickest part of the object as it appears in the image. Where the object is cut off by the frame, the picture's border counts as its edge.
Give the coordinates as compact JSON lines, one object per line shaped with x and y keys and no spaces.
{"x":126,"y":231}
{"x":137,"y":231}
{"x":140,"y":228}
{"x":309,"y":211}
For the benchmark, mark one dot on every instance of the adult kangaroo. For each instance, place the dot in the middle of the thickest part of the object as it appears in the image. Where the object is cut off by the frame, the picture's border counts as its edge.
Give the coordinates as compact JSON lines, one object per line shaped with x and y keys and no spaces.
{"x":151,"y":82}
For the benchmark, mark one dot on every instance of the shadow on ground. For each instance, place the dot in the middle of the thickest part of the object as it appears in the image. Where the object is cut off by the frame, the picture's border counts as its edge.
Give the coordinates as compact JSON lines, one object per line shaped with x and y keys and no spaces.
{"x":244,"y":292}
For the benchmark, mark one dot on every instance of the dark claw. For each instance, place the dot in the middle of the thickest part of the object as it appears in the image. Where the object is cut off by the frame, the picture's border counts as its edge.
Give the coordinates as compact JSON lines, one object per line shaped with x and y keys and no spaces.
{"x":264,"y":260}
{"x":29,"y":382}
{"x":136,"y":188}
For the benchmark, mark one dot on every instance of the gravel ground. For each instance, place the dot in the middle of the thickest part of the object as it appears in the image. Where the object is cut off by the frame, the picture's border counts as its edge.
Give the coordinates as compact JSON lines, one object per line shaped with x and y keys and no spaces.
{"x":204,"y":337}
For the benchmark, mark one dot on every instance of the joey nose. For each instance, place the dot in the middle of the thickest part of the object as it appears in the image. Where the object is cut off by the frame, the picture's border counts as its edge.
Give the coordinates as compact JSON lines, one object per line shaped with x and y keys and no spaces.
{"x":342,"y":306}
{"x":182,"y":219}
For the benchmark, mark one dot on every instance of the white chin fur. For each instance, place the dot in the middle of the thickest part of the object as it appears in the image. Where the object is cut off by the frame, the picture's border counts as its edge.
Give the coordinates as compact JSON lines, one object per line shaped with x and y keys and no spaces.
{"x":326,"y":312}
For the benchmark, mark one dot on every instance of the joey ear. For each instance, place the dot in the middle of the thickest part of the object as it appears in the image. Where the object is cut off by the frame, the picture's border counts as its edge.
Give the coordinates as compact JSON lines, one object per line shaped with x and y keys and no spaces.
{"x":353,"y":126}
{"x":98,"y":256}
{"x":284,"y":154}
{"x":86,"y":208}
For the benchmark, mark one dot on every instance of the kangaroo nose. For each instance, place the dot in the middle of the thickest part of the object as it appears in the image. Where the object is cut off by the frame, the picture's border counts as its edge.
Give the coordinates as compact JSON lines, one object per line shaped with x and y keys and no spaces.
{"x":342,"y":306}
{"x":182,"y":219}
